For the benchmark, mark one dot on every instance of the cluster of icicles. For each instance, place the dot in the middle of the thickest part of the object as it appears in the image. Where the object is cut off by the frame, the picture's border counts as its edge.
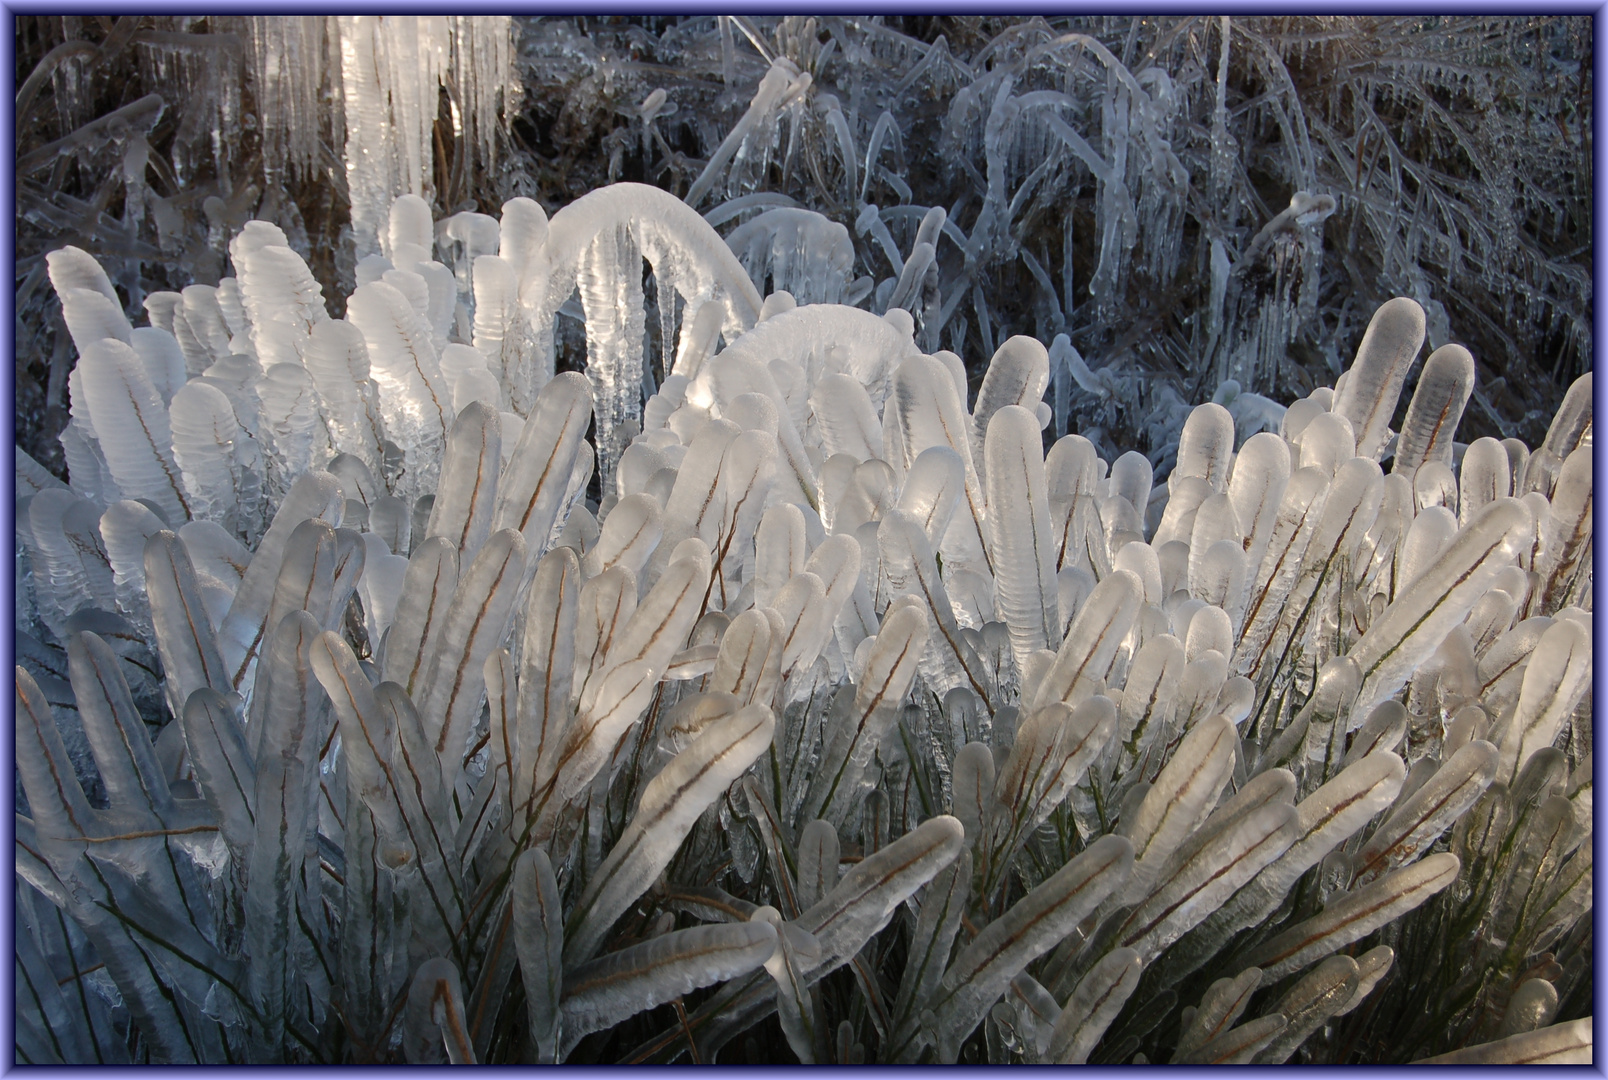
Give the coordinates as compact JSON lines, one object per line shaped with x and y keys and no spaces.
{"x":430,"y":725}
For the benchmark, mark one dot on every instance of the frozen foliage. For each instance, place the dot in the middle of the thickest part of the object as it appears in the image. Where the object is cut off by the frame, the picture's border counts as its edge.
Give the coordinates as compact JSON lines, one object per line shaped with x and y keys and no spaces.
{"x":1189,"y":200}
{"x":390,"y":68}
{"x":445,"y":730}
{"x":355,"y":724}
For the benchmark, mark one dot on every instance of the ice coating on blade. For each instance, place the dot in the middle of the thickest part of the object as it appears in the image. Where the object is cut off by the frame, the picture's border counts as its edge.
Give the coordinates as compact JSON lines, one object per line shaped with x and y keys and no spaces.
{"x":73,"y":268}
{"x":1256,"y":486}
{"x":1205,"y":446}
{"x":1354,"y":916}
{"x":890,"y":666}
{"x":1563,"y":564}
{"x":732,"y":384}
{"x":1423,"y":814}
{"x":670,"y":805}
{"x":1373,"y":382}
{"x":290,"y":421}
{"x":1483,"y":477}
{"x":532,"y":486}
{"x":276,"y":287}
{"x":1019,"y":531}
{"x":674,"y":239}
{"x":1095,"y":1003}
{"x":868,"y":894}
{"x":1186,"y":787}
{"x":1299,"y":514}
{"x":124,"y":528}
{"x":1131,"y":479}
{"x":207,"y":440}
{"x":132,"y":424}
{"x":1043,"y":768}
{"x":1093,"y":638}
{"x":1322,"y":993}
{"x":910,"y":572}
{"x":599,"y":994}
{"x":846,"y":422}
{"x":1554,"y":682}
{"x":1207,"y":870}
{"x":1411,"y":627}
{"x":337,"y":358}
{"x":798,"y":517}
{"x":467,"y":376}
{"x":469,"y":470}
{"x":91,"y":317}
{"x":1436,"y":407}
{"x":163,"y":359}
{"x":1033,"y":925}
{"x":1572,"y":426}
{"x":925,"y":412}
{"x":415,"y":400}
{"x":288,"y":731}
{"x":1215,"y":520}
{"x":1016,"y":375}
{"x":748,"y":472}
{"x":474,"y":623}
{"x":804,"y":253}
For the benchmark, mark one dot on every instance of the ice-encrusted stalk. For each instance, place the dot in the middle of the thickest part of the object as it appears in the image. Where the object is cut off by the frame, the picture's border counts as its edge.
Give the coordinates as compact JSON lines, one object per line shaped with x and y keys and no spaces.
{"x":435,"y":1024}
{"x":854,"y":737}
{"x":925,"y":411}
{"x":1319,"y":995}
{"x":545,"y":672}
{"x":131,"y":421}
{"x":1092,"y":640}
{"x":1021,"y":548}
{"x":453,"y":684}
{"x":1187,"y":786}
{"x":1053,"y":748}
{"x":1353,"y":917}
{"x":241,"y":634}
{"x":1373,"y":383}
{"x":184,"y":637}
{"x":1323,"y":820}
{"x":943,"y":904}
{"x":910,"y":570}
{"x":1221,"y":1005}
{"x":289,"y":712}
{"x":1099,"y":997}
{"x":462,"y":511}
{"x":1413,"y":626}
{"x":669,"y":807}
{"x":1200,"y":880}
{"x":1560,"y":1044}
{"x":1554,"y":683}
{"x":611,"y":988}
{"x":415,"y":401}
{"x":1033,"y":926}
{"x":794,"y":1005}
{"x":539,"y":938}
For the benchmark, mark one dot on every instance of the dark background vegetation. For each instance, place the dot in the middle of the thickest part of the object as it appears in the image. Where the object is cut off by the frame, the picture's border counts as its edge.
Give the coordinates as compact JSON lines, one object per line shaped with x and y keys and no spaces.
{"x":1459,"y":146}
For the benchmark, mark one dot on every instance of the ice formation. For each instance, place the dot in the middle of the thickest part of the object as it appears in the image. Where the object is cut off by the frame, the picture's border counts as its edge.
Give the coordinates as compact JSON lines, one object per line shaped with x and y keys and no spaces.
{"x":1097,"y":647}
{"x":390,"y":68}
{"x":352,"y":725}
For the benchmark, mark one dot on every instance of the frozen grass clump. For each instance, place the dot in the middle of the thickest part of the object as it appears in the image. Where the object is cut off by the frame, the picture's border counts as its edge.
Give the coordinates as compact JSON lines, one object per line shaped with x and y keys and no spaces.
{"x":387,"y":692}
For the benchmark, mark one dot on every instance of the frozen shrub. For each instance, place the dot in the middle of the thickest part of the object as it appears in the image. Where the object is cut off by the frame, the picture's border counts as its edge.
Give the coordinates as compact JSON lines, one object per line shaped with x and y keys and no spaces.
{"x":370,"y":711}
